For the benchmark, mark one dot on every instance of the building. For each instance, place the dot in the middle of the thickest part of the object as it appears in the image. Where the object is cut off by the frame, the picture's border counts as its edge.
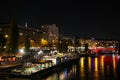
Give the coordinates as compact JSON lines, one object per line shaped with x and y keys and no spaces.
{"x":50,"y":33}
{"x":34,"y":34}
{"x":93,"y":44}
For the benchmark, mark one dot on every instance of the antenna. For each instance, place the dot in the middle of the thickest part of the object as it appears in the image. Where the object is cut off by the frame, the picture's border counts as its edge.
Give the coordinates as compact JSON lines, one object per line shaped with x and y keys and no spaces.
{"x":26,"y":24}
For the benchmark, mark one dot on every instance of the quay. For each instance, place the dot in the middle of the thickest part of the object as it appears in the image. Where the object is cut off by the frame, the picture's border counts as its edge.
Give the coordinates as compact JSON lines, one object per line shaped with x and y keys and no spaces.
{"x":47,"y":70}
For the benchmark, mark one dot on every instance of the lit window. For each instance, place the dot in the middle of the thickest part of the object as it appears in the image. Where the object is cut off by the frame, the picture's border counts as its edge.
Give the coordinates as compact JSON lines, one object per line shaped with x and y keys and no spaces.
{"x":42,"y":26}
{"x":20,"y":34}
{"x":44,"y":32}
{"x":37,"y":30}
{"x":51,"y":34}
{"x":33,"y":32}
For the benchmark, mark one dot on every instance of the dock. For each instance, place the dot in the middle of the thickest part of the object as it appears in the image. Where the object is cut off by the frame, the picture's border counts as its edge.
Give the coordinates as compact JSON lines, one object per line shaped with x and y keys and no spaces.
{"x":41,"y":72}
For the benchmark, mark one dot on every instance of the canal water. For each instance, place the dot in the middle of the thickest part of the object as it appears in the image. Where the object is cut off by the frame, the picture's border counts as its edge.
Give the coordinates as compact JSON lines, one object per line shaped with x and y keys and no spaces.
{"x":103,"y":67}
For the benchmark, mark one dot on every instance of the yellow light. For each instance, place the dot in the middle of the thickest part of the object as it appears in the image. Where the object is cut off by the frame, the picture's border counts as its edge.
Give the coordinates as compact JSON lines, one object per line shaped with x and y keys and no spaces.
{"x":6,"y":36}
{"x":89,"y":63}
{"x":96,"y":74}
{"x":114,"y":64}
{"x":44,"y":42}
{"x":82,"y":66}
{"x":60,"y":42}
{"x":102,"y":64}
{"x":32,"y":41}
{"x":96,"y":64}
{"x":53,"y":41}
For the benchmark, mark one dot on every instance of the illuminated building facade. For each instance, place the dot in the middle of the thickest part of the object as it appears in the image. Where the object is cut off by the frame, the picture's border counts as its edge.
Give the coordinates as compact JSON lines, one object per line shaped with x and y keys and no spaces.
{"x":35,"y":35}
{"x":50,"y":33}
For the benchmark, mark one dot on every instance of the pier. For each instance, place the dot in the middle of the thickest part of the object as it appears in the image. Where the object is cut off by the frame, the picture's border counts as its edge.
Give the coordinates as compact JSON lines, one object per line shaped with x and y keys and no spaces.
{"x":38,"y":68}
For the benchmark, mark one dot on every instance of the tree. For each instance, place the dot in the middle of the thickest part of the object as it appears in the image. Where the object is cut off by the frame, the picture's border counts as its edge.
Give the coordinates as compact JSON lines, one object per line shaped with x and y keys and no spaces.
{"x":2,"y":42}
{"x":59,"y":46}
{"x":86,"y":47}
{"x":63,"y":45}
{"x":13,"y":35}
{"x":77,"y":43}
{"x":27,"y":43}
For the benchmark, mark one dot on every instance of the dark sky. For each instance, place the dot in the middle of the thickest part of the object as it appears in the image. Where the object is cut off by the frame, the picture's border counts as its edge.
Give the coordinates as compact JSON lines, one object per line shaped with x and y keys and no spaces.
{"x":84,"y":18}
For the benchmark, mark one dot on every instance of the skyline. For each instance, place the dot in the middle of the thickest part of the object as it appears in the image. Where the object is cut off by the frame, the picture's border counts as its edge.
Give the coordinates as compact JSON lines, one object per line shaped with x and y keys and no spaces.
{"x":84,"y":19}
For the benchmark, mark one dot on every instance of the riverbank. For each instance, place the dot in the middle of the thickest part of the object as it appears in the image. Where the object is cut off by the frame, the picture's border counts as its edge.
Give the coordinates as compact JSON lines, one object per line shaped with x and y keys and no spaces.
{"x":41,"y":72}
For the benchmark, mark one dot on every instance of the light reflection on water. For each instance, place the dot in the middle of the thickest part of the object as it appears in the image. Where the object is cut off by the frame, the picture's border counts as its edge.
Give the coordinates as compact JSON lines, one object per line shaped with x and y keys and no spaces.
{"x":104,"y":67}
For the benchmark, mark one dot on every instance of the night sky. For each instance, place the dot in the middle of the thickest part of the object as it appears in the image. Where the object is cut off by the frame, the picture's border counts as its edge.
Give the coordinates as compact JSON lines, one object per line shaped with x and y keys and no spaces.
{"x":84,"y":18}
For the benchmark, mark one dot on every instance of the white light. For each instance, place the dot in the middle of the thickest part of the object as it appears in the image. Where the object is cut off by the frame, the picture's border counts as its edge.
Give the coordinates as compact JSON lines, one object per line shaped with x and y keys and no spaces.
{"x":4,"y":47}
{"x":26,"y":24}
{"x":40,"y":52}
{"x":20,"y":34}
{"x":21,"y":50}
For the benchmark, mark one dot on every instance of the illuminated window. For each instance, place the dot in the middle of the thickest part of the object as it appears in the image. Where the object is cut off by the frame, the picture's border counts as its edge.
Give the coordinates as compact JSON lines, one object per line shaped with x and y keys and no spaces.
{"x":20,"y":34}
{"x":42,"y":26}
{"x":33,"y":32}
{"x":37,"y":30}
{"x":51,"y":34}
{"x":44,"y":32}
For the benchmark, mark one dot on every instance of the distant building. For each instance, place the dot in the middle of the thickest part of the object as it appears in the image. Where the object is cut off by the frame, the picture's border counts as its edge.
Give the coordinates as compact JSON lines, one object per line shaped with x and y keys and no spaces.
{"x":92,"y":44}
{"x":46,"y":32}
{"x":99,"y":42}
{"x":50,"y":33}
{"x":35,"y":34}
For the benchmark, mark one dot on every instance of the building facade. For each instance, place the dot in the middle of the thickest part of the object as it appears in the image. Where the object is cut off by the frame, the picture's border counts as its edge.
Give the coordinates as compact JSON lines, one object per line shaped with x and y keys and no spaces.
{"x":50,"y":33}
{"x":34,"y":34}
{"x":47,"y":33}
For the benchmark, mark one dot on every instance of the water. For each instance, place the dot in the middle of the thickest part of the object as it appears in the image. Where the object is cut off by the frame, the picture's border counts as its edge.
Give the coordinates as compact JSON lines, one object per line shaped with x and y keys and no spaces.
{"x":103,"y":67}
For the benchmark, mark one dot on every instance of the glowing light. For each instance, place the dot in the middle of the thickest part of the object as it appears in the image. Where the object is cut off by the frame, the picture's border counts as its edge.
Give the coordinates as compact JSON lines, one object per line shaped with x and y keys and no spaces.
{"x":22,"y":51}
{"x":82,"y":66}
{"x":96,"y":64}
{"x":114,"y":64}
{"x":102,"y":64}
{"x":20,"y":34}
{"x":96,"y":74}
{"x":1,"y":58}
{"x":44,"y":42}
{"x":6,"y":36}
{"x":31,"y":40}
{"x":62,"y":76}
{"x":4,"y":47}
{"x":82,"y":62}
{"x":26,"y":24}
{"x":102,"y":61}
{"x":40,"y":52}
{"x":89,"y":63}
